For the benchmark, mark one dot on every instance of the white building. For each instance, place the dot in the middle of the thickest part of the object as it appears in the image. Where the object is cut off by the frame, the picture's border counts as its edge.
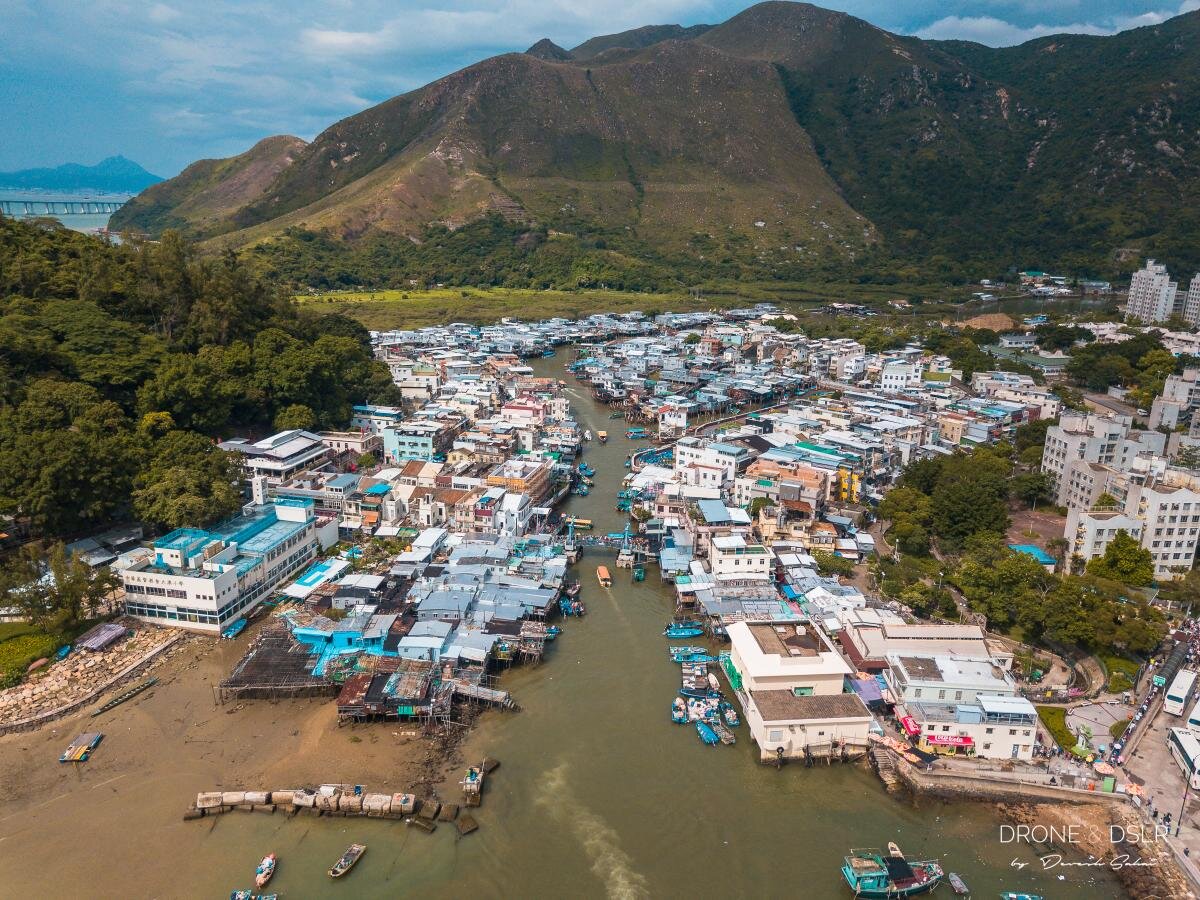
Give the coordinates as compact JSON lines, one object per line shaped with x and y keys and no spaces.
{"x":731,"y":558}
{"x":795,"y":657}
{"x":281,"y":456}
{"x":1152,"y":294}
{"x":1088,"y":533}
{"x":204,"y":579}
{"x":946,"y":679}
{"x":990,"y":727}
{"x":897,"y":376}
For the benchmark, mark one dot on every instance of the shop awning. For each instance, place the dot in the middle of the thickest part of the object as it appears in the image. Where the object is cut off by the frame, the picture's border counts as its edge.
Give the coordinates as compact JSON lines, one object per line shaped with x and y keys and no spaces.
{"x":910,"y":725}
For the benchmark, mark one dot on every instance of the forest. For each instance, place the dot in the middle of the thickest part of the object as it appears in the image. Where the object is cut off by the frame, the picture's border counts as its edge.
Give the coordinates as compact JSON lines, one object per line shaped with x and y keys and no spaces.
{"x":122,"y":365}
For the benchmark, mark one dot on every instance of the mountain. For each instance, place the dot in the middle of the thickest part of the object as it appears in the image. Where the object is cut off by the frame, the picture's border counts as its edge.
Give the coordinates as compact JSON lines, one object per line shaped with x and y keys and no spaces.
{"x":116,"y":175}
{"x":206,"y":193}
{"x":788,"y":139}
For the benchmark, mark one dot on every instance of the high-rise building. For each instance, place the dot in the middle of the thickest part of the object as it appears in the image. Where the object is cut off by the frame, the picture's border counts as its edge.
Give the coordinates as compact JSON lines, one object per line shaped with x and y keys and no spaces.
{"x":1191,"y":302}
{"x":1152,"y":294}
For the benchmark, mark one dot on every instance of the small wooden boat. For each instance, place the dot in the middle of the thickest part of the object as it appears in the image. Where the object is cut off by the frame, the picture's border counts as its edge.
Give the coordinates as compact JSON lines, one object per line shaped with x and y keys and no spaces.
{"x":959,"y":886}
{"x":587,"y":435}
{"x":683,"y":630}
{"x":639,"y":573}
{"x":685,"y":649}
{"x":602,"y":436}
{"x":729,"y":714}
{"x":700,"y":693}
{"x":713,"y":683}
{"x":352,"y":855}
{"x":265,"y":870}
{"x":700,"y":657}
{"x":603,"y":577}
{"x":707,"y":734}
{"x":127,"y":695}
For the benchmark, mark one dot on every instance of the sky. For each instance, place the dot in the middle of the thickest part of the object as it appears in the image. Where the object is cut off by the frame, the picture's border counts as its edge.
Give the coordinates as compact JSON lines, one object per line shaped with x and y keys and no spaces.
{"x":166,"y":82}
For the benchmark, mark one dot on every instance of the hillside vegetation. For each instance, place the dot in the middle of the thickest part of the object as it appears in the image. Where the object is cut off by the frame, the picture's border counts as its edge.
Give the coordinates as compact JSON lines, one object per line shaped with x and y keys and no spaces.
{"x":787,"y":142}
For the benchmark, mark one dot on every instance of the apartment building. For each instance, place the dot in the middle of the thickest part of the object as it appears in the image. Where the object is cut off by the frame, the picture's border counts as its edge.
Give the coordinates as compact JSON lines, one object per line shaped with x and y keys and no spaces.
{"x":1152,"y":294}
{"x":1180,"y":397}
{"x":1082,"y":439}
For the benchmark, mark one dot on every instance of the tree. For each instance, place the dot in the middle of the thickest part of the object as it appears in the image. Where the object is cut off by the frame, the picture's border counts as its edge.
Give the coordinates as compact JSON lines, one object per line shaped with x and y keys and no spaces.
{"x":1032,"y":434}
{"x":1124,"y":561}
{"x":1032,"y":488}
{"x":906,"y":503}
{"x":366,"y":461}
{"x":187,"y":482}
{"x":1188,"y":457}
{"x":55,"y":590}
{"x":910,"y":537}
{"x":296,"y":416}
{"x":692,"y":339}
{"x":756,"y":505}
{"x":969,"y":503}
{"x":831,"y":564}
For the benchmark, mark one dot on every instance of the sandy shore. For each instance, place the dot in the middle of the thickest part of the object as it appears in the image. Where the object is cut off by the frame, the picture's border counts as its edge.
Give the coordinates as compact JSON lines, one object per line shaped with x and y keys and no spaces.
{"x":99,"y":826}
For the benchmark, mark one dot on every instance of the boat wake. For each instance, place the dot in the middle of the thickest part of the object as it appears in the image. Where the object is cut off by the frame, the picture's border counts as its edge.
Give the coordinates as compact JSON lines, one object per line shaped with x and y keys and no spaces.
{"x":610,"y":863}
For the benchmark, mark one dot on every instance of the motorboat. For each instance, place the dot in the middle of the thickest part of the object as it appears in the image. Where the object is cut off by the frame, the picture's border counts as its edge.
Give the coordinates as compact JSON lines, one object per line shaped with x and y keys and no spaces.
{"x":348,"y":860}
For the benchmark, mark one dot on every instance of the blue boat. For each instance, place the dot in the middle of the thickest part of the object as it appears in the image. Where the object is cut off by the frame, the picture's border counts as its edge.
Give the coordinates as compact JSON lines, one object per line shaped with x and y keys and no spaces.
{"x":707,"y":734}
{"x":700,"y":693}
{"x":693,"y":658}
{"x":1009,"y":895}
{"x":684,"y":648}
{"x":546,"y":354}
{"x":683,"y":630}
{"x":552,"y":632}
{"x":585,"y":469}
{"x":233,"y":629}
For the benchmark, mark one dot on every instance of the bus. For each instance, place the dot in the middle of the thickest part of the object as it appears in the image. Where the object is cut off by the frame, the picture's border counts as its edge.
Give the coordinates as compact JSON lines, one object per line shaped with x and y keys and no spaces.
{"x":1193,"y":718}
{"x":1185,"y":747}
{"x":1177,"y":693}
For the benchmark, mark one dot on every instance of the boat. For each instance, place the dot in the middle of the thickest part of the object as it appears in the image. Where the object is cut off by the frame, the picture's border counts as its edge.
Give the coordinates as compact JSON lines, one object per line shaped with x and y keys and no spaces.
{"x":547,"y":354}
{"x":472,"y":786}
{"x":265,"y":870}
{"x":241,"y":895}
{"x":683,"y":630}
{"x":870,"y":874}
{"x":580,"y":491}
{"x":616,"y":415}
{"x":685,"y":649}
{"x":352,"y":855}
{"x":639,"y":572}
{"x":127,"y":695}
{"x":587,"y":435}
{"x":573,"y":590}
{"x":603,"y":577}
{"x":679,"y":713}
{"x":699,"y":657}
{"x":713,"y":683}
{"x":700,"y":693}
{"x":637,"y":434}
{"x":233,"y":629}
{"x":587,"y":482}
{"x":729,"y":714}
{"x":585,"y":469}
{"x":553,"y":631}
{"x":707,"y":734}
{"x":63,"y":652}
{"x":959,"y":886}
{"x":602,"y":437}
{"x":1011,"y":895}
{"x":724,"y":735}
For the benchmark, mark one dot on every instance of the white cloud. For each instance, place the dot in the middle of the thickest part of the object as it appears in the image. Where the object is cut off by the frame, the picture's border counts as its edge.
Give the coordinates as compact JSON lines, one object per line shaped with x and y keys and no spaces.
{"x":160,"y":14}
{"x":995,"y":32}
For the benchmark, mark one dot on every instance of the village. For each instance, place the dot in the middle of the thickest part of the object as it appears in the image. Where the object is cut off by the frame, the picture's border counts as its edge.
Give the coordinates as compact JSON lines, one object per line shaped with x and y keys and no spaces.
{"x":399,"y":568}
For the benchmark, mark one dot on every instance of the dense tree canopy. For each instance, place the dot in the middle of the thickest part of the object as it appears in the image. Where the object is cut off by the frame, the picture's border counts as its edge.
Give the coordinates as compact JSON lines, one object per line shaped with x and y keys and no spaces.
{"x":119,"y":366}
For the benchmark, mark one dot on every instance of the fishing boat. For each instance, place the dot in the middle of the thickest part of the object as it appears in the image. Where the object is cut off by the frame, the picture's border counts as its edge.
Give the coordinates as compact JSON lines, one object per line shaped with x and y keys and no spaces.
{"x":637,"y":434}
{"x":602,"y":437}
{"x":603,"y":577}
{"x":679,"y":713}
{"x":700,"y":693}
{"x":580,"y":490}
{"x":241,"y":895}
{"x":724,"y":735}
{"x":871,"y":874}
{"x":553,"y":631}
{"x":233,"y":629}
{"x":573,"y":590}
{"x":683,"y":630}
{"x":700,"y":657}
{"x":587,"y":435}
{"x":585,"y":469}
{"x":265,"y":870}
{"x":685,"y":649}
{"x":639,"y":572}
{"x":707,"y":734}
{"x":713,"y":683}
{"x":959,"y":886}
{"x":472,"y":786}
{"x":729,"y":714}
{"x":352,"y":855}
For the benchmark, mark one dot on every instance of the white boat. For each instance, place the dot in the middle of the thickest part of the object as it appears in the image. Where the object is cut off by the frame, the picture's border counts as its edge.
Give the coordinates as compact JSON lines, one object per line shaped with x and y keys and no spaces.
{"x":713,"y":683}
{"x":587,"y":435}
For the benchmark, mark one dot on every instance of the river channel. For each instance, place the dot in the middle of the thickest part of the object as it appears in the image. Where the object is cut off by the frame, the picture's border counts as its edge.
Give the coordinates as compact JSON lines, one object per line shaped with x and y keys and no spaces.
{"x":600,"y":795}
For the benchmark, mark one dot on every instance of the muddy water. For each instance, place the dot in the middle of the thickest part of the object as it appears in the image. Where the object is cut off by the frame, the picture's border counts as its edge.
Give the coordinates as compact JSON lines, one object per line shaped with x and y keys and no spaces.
{"x":598,"y":794}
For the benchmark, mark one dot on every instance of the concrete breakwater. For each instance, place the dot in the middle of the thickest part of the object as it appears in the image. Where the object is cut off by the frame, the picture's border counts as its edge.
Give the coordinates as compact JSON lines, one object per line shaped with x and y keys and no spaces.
{"x":336,"y":800}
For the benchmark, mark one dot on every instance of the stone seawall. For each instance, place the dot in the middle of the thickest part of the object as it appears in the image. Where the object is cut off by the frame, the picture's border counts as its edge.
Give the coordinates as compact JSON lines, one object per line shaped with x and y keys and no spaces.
{"x":958,"y":786}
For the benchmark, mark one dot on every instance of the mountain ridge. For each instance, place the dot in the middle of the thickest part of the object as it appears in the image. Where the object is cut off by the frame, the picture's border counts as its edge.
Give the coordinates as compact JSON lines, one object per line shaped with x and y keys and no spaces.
{"x":785,"y":139}
{"x":115,"y":174}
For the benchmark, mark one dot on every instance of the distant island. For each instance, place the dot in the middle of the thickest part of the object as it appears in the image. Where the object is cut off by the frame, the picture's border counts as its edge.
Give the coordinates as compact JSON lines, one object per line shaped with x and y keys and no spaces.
{"x":116,"y":174}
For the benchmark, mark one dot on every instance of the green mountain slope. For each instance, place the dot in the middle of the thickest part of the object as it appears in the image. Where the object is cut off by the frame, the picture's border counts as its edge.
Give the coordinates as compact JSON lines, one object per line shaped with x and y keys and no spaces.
{"x":200,"y":199}
{"x":785,"y":139}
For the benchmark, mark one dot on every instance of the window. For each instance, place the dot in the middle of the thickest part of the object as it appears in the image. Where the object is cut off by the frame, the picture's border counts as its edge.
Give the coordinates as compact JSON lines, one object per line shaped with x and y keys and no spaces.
{"x":987,"y":746}
{"x":958,"y":695}
{"x":1012,"y":731}
{"x":941,"y":695}
{"x":802,"y":692}
{"x":775,"y":736}
{"x":990,"y":730}
{"x":945,"y":728}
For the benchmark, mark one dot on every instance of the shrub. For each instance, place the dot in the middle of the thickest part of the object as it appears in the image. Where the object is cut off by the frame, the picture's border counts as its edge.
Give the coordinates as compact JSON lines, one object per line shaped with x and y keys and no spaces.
{"x":17,"y":653}
{"x":1118,"y":728}
{"x":1055,"y":720}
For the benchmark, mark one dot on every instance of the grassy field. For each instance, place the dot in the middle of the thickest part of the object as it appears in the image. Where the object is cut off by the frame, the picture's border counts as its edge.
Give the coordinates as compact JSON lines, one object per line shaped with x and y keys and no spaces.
{"x":385,"y":309}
